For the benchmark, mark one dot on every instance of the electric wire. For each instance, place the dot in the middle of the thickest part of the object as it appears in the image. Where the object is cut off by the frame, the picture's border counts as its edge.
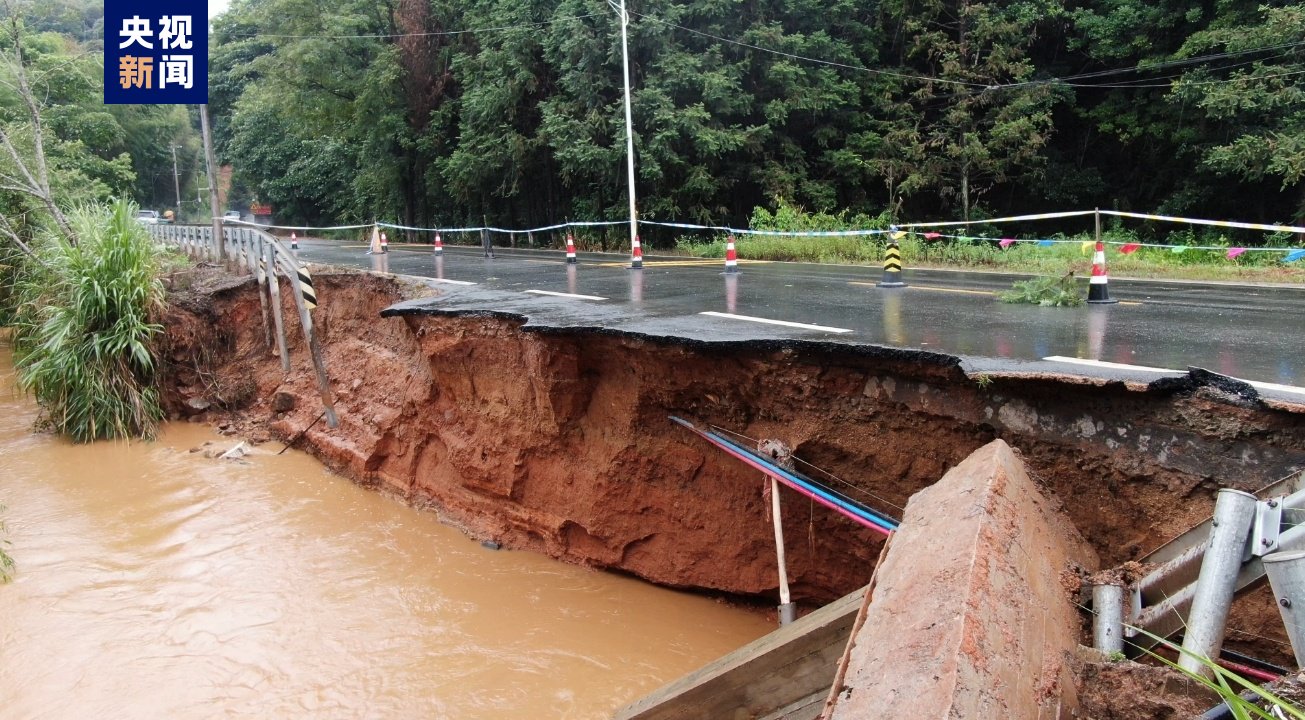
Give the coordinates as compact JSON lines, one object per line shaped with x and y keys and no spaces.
{"x":987,"y":87}
{"x":384,"y":36}
{"x":826,"y":473}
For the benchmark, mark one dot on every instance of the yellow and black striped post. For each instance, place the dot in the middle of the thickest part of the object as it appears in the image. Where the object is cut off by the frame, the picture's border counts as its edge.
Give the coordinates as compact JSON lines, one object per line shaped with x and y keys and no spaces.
{"x":893,"y":263}
{"x":306,"y":287}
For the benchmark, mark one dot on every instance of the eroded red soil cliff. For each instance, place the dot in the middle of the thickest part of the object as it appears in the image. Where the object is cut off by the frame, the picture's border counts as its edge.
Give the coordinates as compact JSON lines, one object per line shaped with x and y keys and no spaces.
{"x":559,"y":442}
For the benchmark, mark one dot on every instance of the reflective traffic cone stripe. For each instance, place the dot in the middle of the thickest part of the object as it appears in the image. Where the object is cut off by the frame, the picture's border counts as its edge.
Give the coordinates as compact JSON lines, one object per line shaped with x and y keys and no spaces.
{"x":294,"y":241}
{"x":892,"y":267}
{"x":636,"y":257}
{"x":1099,"y":283}
{"x":570,"y":250}
{"x":439,"y":244}
{"x":731,"y":256}
{"x":385,"y":243}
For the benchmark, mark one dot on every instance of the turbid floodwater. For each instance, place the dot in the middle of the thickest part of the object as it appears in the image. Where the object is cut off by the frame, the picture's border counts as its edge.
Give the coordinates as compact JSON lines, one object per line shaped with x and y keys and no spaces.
{"x":155,"y":582}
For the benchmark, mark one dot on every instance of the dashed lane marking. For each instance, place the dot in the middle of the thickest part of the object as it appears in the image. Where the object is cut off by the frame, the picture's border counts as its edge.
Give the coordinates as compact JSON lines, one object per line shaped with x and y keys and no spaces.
{"x":681,"y":263}
{"x":1275,"y":386}
{"x":566,"y":295}
{"x":768,"y":321}
{"x":1119,"y":366}
{"x":936,"y":288}
{"x":451,"y":282}
{"x":1115,"y":366}
{"x":929,"y":287}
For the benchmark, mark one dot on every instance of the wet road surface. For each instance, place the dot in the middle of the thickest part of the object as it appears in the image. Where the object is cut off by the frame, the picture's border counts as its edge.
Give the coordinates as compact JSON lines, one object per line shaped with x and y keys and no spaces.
{"x":1245,"y":331}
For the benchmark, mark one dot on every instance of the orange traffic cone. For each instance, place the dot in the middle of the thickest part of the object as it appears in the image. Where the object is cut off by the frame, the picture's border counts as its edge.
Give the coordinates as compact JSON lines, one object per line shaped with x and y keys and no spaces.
{"x":439,"y":244}
{"x":1099,"y":284}
{"x":294,"y":240}
{"x":570,"y":250}
{"x":636,"y":256}
{"x":731,"y":256}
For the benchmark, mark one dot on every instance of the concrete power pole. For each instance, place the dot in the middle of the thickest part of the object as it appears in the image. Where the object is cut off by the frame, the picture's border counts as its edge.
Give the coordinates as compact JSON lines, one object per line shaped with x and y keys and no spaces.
{"x":176,"y":182}
{"x":211,"y":164}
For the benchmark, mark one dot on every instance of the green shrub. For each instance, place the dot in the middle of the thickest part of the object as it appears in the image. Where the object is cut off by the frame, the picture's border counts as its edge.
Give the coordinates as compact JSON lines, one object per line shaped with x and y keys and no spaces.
{"x":85,"y":331}
{"x":1049,"y":291}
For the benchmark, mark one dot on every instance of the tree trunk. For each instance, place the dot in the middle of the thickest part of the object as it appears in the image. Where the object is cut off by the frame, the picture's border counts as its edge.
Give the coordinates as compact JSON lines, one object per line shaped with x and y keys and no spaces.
{"x":965,"y":192}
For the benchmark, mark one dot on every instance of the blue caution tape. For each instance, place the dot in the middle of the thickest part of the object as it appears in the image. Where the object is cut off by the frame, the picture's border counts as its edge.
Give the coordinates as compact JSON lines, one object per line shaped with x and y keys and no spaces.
{"x":895,"y":230}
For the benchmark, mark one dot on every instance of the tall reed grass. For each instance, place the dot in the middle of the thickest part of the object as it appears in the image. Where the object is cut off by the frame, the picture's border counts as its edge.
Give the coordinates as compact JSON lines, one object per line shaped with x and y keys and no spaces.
{"x":86,"y":325}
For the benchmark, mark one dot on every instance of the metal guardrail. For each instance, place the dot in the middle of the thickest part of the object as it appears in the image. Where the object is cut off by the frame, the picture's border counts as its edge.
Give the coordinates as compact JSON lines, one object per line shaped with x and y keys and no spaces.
{"x":1166,"y":599}
{"x":262,"y":254}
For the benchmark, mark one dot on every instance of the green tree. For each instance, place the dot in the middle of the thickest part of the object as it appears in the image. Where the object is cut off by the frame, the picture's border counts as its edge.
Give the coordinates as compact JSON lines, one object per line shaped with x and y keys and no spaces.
{"x":1257,"y":110}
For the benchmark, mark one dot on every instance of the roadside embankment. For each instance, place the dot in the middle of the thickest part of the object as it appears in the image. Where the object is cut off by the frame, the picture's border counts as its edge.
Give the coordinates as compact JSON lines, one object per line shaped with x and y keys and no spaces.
{"x":556,"y":439}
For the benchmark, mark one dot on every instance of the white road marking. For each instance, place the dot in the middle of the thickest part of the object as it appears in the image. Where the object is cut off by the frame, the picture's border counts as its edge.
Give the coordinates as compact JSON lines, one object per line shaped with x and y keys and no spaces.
{"x":566,"y":295}
{"x":1116,"y":366}
{"x":451,"y":282}
{"x":1098,"y":363}
{"x":1275,"y":386}
{"x":768,"y":321}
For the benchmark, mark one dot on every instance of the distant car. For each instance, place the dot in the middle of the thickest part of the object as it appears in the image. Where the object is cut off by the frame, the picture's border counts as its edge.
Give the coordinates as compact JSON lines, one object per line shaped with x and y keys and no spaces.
{"x":231,"y":215}
{"x":147,"y":217}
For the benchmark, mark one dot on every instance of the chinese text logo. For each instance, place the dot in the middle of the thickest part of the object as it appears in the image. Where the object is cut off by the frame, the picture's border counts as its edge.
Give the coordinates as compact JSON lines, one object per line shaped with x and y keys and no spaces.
{"x":153,"y":54}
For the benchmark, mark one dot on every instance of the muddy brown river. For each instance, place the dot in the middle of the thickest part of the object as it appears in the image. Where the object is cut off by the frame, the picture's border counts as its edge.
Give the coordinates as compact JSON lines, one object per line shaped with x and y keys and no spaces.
{"x":154,"y":582}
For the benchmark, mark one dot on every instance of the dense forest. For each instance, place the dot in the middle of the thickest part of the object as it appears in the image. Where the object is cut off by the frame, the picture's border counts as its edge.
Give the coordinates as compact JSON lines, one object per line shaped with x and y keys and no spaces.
{"x":427,"y":111}
{"x":95,"y":152}
{"x":435,"y":112}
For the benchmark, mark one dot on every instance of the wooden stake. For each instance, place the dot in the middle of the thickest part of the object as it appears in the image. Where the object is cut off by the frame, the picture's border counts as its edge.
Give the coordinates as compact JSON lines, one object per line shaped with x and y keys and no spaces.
{"x":785,"y":605}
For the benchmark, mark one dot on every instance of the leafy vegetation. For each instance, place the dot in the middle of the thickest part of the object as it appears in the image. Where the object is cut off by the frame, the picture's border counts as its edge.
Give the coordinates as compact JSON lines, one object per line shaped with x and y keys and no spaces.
{"x":1230,"y":686}
{"x":85,"y":330}
{"x":933,"y":109}
{"x":1060,"y":291}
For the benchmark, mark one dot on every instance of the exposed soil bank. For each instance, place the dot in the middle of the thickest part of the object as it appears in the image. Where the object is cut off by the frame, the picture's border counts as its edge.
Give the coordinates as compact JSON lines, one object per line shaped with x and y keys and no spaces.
{"x":556,"y":440}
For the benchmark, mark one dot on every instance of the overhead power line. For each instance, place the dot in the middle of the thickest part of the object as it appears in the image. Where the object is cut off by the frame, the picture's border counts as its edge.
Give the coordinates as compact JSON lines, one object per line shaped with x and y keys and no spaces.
{"x":1065,"y":80}
{"x":384,"y":36}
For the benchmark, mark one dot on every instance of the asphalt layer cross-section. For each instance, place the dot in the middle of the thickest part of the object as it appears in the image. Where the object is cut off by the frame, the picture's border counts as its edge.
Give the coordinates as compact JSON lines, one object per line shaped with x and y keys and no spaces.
{"x":1253,"y":332}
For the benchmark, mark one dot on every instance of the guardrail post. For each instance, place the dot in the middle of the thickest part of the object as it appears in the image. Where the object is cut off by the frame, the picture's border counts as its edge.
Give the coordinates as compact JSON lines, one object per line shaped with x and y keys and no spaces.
{"x":1286,"y":572}
{"x":1233,"y":513}
{"x":1108,"y":618}
{"x":315,"y":348}
{"x":274,"y":286}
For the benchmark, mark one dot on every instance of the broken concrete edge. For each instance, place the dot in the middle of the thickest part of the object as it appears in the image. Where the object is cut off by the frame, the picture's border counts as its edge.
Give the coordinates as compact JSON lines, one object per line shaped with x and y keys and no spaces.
{"x":970,"y":616}
{"x":1229,"y":390}
{"x":527,"y":325}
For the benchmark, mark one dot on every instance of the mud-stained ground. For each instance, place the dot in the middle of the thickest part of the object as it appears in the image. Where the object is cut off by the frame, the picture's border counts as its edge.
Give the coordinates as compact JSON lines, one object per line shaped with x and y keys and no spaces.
{"x":557,"y":440}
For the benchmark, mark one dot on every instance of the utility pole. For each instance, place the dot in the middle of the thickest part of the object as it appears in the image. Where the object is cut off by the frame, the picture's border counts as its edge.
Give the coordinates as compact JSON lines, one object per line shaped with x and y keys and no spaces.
{"x":176,"y":182}
{"x":637,"y":262}
{"x":211,"y":164}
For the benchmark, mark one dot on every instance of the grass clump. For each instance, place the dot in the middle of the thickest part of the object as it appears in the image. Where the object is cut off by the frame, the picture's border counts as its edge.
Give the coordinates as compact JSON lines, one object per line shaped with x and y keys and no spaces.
{"x":84,"y":340}
{"x":1046,"y":291}
{"x":1231,"y":687}
{"x":6,"y":562}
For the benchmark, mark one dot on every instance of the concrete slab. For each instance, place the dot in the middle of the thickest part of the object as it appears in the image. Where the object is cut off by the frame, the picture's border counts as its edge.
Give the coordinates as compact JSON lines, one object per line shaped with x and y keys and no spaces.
{"x":970,"y":619}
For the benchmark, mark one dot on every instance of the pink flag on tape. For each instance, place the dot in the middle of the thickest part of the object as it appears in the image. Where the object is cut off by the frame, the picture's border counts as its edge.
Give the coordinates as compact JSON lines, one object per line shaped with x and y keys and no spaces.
{"x":1234,"y":252}
{"x":1006,"y":242}
{"x":1130,"y":248}
{"x":932,"y":235}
